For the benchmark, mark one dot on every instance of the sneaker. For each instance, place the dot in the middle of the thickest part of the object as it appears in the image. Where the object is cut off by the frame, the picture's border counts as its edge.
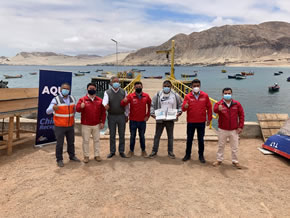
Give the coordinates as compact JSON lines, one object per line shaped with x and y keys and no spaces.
{"x":98,"y":158}
{"x":237,"y":165}
{"x":171,"y":155}
{"x":144,"y":154}
{"x":130,"y":154}
{"x":60,"y":163}
{"x":217,"y":163}
{"x":153,"y":154}
{"x":86,"y":159}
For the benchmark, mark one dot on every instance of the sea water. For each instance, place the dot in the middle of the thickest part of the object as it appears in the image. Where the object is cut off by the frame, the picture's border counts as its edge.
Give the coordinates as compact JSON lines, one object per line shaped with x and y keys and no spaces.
{"x":252,"y":92}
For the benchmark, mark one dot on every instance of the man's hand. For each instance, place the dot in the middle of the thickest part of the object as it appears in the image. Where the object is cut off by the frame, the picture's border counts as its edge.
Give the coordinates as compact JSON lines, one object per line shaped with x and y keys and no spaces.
{"x":83,"y":105}
{"x":146,"y":119}
{"x":125,"y":99}
{"x":126,"y":119}
{"x":55,"y":107}
{"x":239,"y":130}
{"x":207,"y":123}
{"x":102,"y":126}
{"x":220,"y":107}
{"x":107,"y":107}
{"x":186,"y":105}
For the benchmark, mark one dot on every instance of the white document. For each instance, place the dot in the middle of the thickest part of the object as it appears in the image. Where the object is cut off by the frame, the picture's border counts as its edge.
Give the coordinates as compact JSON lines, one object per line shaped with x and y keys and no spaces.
{"x":160,"y":114}
{"x":171,"y":114}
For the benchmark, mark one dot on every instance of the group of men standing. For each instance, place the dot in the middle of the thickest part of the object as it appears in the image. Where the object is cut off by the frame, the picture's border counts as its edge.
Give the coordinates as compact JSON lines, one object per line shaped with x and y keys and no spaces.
{"x":137,"y":107}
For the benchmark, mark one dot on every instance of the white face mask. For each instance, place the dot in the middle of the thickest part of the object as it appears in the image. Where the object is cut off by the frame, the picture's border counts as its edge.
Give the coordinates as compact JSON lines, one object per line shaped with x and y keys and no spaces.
{"x":196,"y":89}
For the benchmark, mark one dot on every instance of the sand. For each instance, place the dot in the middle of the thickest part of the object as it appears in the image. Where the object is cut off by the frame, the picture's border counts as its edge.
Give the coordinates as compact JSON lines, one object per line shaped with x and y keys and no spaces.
{"x":31,"y":185}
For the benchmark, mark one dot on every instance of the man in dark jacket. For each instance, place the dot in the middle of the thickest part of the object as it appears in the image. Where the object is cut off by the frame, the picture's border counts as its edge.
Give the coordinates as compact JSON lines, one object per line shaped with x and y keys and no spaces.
{"x":197,"y":105}
{"x":230,"y":123}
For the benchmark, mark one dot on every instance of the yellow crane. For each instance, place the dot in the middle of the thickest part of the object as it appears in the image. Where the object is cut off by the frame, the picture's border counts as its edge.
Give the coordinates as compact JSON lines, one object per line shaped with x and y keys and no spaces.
{"x":171,"y":53}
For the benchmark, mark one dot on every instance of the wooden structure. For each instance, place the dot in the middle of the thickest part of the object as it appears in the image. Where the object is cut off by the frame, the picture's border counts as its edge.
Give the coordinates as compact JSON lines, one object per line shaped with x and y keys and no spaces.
{"x":271,"y":123}
{"x":14,"y":103}
{"x":103,"y":83}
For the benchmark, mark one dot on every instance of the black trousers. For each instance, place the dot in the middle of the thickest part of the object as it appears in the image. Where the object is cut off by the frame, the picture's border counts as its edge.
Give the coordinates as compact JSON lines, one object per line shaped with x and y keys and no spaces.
{"x":200,"y":127}
{"x":60,"y":133}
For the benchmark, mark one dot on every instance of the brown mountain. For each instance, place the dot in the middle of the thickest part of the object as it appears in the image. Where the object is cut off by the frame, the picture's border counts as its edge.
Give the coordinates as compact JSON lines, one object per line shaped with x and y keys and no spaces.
{"x":230,"y":44}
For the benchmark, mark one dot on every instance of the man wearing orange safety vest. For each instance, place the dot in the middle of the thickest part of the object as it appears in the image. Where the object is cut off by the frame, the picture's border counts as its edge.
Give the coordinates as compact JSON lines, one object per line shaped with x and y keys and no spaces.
{"x":63,"y":108}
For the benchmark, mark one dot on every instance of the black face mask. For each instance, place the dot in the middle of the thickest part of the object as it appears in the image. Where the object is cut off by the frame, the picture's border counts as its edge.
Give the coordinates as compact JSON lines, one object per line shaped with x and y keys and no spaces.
{"x":92,"y":91}
{"x":138,"y":90}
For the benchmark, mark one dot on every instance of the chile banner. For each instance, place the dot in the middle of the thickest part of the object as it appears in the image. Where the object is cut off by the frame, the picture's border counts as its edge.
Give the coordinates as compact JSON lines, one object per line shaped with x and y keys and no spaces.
{"x":49,"y":87}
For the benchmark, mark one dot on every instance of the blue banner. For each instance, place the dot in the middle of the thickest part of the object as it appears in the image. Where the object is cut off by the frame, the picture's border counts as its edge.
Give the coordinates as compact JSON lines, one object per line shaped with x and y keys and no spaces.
{"x":49,"y":87}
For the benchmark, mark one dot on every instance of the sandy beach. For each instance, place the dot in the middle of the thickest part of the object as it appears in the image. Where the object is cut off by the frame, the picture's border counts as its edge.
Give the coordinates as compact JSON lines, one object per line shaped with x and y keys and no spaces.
{"x":33,"y":186}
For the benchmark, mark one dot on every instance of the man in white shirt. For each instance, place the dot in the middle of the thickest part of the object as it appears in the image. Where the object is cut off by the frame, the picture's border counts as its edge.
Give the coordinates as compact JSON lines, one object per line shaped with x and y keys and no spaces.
{"x":165,"y":99}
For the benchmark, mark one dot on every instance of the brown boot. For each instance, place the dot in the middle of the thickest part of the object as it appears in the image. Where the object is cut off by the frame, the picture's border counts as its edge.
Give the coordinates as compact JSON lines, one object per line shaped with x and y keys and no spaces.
{"x":130,"y":154}
{"x":237,"y":165}
{"x":144,"y":154}
{"x":98,"y":158}
{"x":86,"y":159}
{"x":217,"y":163}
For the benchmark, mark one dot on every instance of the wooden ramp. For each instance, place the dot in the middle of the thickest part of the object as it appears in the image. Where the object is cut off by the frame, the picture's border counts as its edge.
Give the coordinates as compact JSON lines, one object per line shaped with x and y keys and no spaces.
{"x":271,"y":123}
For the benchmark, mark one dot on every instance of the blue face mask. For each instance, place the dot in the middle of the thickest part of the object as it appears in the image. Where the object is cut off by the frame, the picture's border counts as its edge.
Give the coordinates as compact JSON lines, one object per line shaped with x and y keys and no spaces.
{"x":116,"y":85}
{"x":64,"y":92}
{"x":166,"y":90}
{"x":227,"y":97}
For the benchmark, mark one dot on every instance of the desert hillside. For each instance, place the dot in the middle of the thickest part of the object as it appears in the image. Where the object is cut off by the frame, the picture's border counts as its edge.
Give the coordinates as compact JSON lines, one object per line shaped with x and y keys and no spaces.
{"x":50,"y":58}
{"x":264,"y":44}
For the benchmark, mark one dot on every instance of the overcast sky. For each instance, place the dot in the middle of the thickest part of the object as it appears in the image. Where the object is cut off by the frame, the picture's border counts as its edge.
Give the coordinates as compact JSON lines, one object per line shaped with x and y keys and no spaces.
{"x":87,"y":26}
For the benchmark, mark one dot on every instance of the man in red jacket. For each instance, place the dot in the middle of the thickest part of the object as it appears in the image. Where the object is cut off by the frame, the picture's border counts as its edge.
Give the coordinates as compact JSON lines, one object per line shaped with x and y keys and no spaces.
{"x":93,"y":117}
{"x":140,"y":104}
{"x":230,"y":123}
{"x":197,"y":105}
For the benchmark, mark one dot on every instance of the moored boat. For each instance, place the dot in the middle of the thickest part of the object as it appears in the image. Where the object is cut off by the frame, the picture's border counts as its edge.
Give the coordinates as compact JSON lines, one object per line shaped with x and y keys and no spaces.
{"x":167,"y":73}
{"x":231,"y":76}
{"x":288,"y":79}
{"x":3,"y":84}
{"x":189,"y":75}
{"x":13,"y":77}
{"x":274,"y":88}
{"x":223,"y":71}
{"x":84,"y":71}
{"x":79,"y":74}
{"x":277,"y":74}
{"x":33,"y":73}
{"x":247,"y":74}
{"x":280,"y":72}
{"x":240,"y":76}
{"x":152,"y":77}
{"x":97,"y":70}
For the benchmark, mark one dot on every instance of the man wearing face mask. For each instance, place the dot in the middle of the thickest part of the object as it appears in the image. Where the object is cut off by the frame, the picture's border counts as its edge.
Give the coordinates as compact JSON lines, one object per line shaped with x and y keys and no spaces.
{"x":165,"y":99}
{"x":230,"y":123}
{"x":140,"y":103}
{"x":63,"y":109}
{"x":117,"y":116}
{"x":197,"y":105}
{"x":93,"y":117}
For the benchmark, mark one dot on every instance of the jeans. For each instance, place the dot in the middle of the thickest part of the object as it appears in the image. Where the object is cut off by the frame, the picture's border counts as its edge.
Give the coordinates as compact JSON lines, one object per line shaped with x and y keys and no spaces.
{"x":141,"y":126}
{"x":113,"y":122}
{"x":60,"y":133}
{"x":190,"y":134}
{"x":169,"y":125}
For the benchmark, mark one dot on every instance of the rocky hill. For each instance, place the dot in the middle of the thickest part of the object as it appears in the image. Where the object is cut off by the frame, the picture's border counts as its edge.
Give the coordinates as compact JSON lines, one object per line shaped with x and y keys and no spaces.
{"x":264,"y":44}
{"x":51,"y":58}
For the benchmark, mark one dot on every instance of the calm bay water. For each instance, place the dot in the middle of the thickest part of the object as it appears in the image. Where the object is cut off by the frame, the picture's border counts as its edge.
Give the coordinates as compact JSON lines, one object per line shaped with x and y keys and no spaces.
{"x":251,"y":92}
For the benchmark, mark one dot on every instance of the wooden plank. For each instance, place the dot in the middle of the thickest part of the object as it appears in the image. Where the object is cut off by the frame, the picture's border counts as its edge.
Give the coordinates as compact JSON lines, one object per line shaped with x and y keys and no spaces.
{"x":15,"y":105}
{"x":18,"y":113}
{"x":17,"y":127}
{"x":10,"y":135}
{"x":18,"y":93}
